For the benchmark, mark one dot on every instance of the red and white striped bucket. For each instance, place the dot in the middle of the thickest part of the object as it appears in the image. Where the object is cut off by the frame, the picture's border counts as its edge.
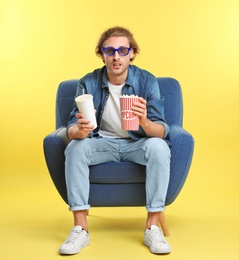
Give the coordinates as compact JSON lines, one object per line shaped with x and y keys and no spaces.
{"x":129,"y":121}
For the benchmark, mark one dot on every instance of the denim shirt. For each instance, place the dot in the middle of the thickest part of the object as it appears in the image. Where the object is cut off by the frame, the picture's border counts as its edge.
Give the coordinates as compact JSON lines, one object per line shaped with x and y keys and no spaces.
{"x":139,"y":82}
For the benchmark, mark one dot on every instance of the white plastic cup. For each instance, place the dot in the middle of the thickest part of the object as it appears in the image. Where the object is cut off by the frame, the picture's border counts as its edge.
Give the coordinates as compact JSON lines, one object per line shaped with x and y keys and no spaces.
{"x":86,"y":107}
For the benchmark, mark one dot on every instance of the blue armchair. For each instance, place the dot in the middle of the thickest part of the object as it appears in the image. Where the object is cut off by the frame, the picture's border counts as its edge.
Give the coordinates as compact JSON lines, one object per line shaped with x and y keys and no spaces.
{"x":121,"y":183}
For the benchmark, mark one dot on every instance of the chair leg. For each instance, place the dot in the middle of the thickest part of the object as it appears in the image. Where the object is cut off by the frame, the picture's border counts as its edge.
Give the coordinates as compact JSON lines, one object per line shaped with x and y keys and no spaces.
{"x":163,"y":224}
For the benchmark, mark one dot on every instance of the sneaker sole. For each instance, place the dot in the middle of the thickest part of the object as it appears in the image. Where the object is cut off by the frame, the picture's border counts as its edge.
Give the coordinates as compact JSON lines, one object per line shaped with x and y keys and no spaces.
{"x":72,"y":252}
{"x":162,"y":252}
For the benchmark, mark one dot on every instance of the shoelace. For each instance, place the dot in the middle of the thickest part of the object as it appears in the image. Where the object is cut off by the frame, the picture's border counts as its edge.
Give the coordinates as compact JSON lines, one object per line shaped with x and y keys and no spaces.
{"x":157,"y":235}
{"x":74,"y":236}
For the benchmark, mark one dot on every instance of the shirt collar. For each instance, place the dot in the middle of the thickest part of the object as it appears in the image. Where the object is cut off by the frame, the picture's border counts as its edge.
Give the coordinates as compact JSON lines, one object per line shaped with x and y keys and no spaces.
{"x":129,"y":80}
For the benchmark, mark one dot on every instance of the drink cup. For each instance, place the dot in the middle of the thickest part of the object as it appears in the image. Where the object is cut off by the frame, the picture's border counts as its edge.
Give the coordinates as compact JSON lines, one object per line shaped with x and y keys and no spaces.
{"x":129,"y":121}
{"x":86,"y":107}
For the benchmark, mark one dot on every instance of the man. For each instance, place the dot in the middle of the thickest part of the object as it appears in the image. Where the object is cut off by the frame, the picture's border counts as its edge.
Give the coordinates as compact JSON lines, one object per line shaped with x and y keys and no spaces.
{"x":108,"y":142}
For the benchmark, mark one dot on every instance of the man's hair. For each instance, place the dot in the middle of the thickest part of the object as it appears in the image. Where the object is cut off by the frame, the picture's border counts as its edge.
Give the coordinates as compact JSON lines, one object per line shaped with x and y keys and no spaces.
{"x":117,"y":32}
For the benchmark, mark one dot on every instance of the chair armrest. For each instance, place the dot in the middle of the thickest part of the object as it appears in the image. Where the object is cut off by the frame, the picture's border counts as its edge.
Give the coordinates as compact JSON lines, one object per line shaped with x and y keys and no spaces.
{"x":56,"y":142}
{"x":181,"y":140}
{"x":54,"y":146}
{"x":181,"y":158}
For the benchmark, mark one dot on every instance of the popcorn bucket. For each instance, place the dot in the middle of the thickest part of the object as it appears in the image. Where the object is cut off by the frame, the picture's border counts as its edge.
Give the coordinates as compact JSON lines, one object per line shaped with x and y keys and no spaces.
{"x":129,"y":121}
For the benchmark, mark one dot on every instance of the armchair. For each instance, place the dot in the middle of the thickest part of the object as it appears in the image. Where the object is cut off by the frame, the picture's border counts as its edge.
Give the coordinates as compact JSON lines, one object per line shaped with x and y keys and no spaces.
{"x":121,"y":183}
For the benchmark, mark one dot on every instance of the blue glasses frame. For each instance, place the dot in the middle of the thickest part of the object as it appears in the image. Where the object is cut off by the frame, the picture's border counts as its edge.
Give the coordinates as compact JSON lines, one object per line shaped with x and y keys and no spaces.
{"x":110,"y":51}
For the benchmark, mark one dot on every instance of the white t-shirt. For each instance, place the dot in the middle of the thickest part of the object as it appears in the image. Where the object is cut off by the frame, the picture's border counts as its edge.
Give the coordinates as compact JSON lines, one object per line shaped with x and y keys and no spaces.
{"x":111,"y":121}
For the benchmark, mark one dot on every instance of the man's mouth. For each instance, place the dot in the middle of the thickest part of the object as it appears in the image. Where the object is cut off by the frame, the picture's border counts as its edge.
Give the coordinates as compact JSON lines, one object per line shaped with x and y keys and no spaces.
{"x":116,"y":64}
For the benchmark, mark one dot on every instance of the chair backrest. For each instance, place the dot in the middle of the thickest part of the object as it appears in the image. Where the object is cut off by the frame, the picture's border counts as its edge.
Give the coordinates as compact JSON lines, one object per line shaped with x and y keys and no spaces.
{"x":170,"y":89}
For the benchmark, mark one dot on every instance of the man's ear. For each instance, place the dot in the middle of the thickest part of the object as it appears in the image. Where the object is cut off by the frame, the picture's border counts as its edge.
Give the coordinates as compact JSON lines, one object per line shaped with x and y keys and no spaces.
{"x":102,"y":57}
{"x":131,"y":54}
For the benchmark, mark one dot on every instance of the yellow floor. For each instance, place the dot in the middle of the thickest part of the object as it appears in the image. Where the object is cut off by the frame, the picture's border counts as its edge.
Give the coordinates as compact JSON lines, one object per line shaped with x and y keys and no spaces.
{"x":35,"y":221}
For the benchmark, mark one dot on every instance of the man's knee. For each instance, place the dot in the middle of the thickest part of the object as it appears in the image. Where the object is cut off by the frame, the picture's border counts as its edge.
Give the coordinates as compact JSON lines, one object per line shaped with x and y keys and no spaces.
{"x":158,"y":147}
{"x":77,"y":147}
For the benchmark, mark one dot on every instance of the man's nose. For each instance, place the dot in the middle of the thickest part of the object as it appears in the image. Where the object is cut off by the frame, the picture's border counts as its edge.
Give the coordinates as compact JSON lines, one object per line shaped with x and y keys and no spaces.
{"x":116,"y":55}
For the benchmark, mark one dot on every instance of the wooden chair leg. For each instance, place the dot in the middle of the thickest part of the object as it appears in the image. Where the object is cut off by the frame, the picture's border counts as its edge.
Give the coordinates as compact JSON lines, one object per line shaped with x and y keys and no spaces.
{"x":163,"y":224}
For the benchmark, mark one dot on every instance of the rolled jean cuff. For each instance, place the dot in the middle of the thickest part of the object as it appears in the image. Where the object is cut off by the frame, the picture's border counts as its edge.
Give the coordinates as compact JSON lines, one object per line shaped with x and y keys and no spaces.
{"x":154,"y":209}
{"x":75,"y":208}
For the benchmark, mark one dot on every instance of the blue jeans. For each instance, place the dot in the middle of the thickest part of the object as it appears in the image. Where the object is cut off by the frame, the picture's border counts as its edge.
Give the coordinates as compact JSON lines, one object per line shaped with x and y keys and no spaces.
{"x":153,"y":152}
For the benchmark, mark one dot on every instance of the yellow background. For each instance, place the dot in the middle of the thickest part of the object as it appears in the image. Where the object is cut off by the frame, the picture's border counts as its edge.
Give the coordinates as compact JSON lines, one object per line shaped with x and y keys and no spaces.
{"x":45,"y":42}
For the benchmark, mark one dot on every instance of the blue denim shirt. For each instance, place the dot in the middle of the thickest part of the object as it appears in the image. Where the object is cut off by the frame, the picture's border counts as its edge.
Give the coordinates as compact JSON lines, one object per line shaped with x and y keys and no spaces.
{"x":139,"y":82}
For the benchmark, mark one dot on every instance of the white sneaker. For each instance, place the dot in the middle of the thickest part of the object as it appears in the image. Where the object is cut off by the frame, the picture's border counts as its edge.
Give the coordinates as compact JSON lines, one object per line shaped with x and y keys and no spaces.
{"x":154,"y":239}
{"x":77,"y":239}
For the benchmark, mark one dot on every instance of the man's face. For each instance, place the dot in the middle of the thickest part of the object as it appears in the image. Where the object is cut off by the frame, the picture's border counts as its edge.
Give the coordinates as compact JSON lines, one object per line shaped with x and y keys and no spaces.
{"x":117,"y":66}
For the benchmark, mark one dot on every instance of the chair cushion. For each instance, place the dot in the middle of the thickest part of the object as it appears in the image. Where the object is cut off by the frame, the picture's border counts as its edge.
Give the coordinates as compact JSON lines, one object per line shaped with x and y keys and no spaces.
{"x":117,"y":172}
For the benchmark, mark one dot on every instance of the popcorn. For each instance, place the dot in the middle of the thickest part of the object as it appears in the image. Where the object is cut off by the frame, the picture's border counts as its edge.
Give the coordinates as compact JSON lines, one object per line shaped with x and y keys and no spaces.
{"x":129,"y":121}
